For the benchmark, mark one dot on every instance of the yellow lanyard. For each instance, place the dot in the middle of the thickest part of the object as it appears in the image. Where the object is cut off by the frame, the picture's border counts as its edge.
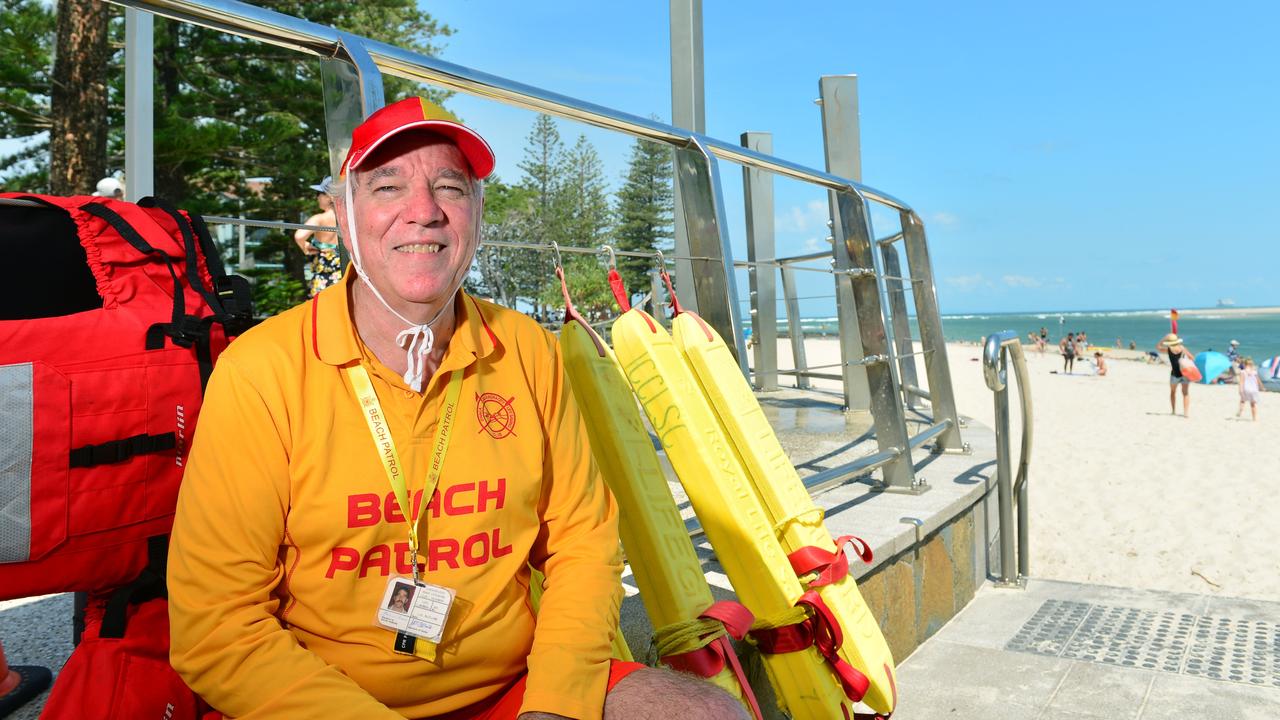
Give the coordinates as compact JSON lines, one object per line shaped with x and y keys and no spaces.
{"x":372,"y":411}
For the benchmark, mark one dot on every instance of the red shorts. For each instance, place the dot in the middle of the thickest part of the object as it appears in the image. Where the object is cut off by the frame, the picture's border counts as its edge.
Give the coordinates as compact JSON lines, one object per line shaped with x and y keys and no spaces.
{"x":506,"y":704}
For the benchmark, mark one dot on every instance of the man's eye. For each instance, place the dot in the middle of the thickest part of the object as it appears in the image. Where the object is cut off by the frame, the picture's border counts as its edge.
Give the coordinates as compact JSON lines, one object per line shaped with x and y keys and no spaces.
{"x":384,"y":188}
{"x":450,"y":190}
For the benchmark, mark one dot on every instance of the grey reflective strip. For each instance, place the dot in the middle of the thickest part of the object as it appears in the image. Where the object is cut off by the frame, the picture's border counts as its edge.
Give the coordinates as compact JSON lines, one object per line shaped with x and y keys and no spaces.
{"x":15,"y":462}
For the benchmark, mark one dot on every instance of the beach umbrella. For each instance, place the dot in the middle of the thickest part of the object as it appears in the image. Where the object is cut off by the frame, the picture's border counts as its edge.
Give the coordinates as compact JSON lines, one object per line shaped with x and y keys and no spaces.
{"x":1271,"y":368}
{"x":1212,"y":364}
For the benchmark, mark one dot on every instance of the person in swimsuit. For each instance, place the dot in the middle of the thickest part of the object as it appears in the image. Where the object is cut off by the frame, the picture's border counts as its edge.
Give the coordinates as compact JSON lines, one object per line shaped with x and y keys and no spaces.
{"x":1172,"y":344}
{"x":1068,"y":347}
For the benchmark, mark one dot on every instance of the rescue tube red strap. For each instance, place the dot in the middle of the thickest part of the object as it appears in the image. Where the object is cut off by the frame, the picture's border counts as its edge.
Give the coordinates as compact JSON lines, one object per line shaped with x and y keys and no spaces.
{"x":709,"y":660}
{"x":619,"y":289}
{"x":675,"y":302}
{"x":822,"y":631}
{"x":571,"y":312}
{"x":832,"y":567}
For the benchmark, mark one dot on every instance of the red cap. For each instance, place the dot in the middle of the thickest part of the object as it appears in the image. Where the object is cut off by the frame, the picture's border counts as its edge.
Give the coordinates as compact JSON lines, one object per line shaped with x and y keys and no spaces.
{"x":413,"y":113}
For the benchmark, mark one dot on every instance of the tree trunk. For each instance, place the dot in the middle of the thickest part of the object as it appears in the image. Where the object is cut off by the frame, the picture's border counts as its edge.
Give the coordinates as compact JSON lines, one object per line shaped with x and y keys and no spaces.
{"x":78,"y":100}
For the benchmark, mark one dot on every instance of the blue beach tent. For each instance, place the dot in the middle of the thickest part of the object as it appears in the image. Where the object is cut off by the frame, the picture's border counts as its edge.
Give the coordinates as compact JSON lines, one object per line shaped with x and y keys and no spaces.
{"x":1211,"y":365}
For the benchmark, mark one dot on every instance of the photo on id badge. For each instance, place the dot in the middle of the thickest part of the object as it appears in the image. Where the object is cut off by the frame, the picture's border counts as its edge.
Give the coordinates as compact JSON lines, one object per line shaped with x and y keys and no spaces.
{"x":419,"y":610}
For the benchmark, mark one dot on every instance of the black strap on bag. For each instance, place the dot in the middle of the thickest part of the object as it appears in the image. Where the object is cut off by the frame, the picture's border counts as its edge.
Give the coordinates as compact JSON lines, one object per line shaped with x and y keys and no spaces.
{"x":149,"y":584}
{"x":185,"y":330}
{"x":116,"y":451}
{"x":188,"y":244}
{"x":230,"y":298}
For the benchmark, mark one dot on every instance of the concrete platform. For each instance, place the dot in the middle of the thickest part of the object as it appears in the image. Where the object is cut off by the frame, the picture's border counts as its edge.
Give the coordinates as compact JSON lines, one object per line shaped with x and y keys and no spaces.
{"x":1066,"y":651}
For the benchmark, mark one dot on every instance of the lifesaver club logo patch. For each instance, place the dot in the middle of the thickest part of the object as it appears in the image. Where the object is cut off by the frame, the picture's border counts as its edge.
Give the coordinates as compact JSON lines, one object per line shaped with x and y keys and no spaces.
{"x":496,"y":415}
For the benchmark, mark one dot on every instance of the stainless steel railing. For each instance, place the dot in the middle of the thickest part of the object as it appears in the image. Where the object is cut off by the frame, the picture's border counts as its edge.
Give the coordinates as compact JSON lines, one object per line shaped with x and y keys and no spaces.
{"x":996,"y":351}
{"x":877,"y":361}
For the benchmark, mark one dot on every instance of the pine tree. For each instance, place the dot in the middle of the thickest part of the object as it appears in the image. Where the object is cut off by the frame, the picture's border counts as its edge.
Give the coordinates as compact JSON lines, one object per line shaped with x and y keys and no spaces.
{"x":507,"y":213}
{"x":542,"y":180}
{"x":645,"y":210}
{"x":585,"y":199}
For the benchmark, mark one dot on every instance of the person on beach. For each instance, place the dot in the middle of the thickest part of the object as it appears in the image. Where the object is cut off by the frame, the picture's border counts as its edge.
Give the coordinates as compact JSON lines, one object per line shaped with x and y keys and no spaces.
{"x":1250,"y":388}
{"x":321,"y":248}
{"x":1099,"y":364}
{"x":1172,"y":344}
{"x":1082,"y":345}
{"x":1067,"y":346}
{"x":312,"y":485}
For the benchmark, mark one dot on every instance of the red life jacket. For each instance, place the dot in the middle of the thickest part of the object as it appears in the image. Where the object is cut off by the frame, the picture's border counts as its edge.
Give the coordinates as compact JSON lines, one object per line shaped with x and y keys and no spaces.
{"x":109,"y":326}
{"x":120,"y":668}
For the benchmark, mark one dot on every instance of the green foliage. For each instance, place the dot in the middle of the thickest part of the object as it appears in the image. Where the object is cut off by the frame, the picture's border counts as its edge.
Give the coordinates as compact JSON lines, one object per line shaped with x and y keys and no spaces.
{"x":275,"y":291}
{"x":26,"y":66}
{"x":645,"y":210}
{"x":588,"y":283}
{"x":562,"y":197}
{"x":584,"y":198}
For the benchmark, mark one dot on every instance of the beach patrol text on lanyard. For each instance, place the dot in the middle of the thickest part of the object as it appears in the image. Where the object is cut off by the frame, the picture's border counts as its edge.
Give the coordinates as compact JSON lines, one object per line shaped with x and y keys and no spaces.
{"x":412,"y":608}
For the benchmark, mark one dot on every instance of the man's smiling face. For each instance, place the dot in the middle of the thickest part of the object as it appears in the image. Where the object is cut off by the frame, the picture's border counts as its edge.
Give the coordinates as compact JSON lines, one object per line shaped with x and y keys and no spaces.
{"x":417,"y":214}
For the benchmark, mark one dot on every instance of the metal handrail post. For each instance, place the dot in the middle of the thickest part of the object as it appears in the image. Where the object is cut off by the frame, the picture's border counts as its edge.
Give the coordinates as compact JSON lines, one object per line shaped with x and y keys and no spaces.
{"x":838,"y":96}
{"x":794,"y":329}
{"x":937,"y":367}
{"x":853,"y":231}
{"x":900,"y":322}
{"x":139,"y":103}
{"x":757,"y":191}
{"x":353,"y":90}
{"x":995,"y":364}
{"x":713,"y":281}
{"x":1004,"y":479}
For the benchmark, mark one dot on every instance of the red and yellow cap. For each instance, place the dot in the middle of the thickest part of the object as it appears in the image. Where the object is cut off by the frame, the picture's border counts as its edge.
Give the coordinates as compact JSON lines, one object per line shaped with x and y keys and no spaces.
{"x":417,"y":113}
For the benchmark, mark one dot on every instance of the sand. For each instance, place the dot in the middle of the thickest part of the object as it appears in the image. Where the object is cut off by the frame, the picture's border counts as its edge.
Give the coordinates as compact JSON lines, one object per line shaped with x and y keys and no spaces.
{"x":1124,"y":493}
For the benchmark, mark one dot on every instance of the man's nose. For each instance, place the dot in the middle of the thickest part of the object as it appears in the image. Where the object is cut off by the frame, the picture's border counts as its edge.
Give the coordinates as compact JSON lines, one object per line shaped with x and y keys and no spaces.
{"x":423,"y":207}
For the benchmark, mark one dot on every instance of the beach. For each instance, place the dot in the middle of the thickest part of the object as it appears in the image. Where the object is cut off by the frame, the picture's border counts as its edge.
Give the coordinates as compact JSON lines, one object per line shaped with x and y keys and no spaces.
{"x":1124,"y":493}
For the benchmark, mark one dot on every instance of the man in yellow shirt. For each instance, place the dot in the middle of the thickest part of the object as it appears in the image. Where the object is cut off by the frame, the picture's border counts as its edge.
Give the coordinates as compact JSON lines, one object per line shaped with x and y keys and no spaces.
{"x":376,"y":471}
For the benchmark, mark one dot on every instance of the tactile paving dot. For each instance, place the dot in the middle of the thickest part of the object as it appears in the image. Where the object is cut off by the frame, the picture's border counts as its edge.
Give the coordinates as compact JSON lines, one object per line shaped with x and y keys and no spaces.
{"x":1132,"y":637}
{"x":1236,"y":650}
{"x":1244,"y":651}
{"x":1049,"y":630}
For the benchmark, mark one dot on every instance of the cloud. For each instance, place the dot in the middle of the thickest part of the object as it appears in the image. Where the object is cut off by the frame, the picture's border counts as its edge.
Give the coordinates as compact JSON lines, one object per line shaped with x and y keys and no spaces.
{"x":967,"y":282}
{"x":814,"y":244}
{"x":803,"y":218}
{"x":1021,"y":281}
{"x":944,"y":218}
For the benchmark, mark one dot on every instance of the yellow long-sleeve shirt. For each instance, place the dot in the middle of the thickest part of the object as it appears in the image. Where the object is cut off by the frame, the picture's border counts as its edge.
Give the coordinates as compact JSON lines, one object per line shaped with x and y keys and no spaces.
{"x":287,"y":528}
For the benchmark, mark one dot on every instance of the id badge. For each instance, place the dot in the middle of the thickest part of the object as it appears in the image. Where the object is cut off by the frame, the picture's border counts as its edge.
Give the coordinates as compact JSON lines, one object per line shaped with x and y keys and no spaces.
{"x":420,"y":609}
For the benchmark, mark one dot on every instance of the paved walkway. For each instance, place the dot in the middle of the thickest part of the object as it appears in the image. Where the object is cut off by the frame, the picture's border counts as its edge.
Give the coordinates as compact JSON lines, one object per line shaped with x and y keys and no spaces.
{"x":1066,"y":651}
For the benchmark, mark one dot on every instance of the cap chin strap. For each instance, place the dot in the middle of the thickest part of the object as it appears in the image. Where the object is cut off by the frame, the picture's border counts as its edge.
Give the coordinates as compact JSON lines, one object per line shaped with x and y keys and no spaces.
{"x":417,"y":340}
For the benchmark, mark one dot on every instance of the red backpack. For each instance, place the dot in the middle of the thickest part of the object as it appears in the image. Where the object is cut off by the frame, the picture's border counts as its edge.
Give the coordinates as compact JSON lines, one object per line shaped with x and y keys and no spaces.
{"x":111,"y":317}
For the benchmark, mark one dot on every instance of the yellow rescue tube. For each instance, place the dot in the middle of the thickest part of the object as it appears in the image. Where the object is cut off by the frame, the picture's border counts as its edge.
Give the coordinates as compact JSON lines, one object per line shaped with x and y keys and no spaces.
{"x":726,"y":505}
{"x":661,"y":556}
{"x":798,"y":522}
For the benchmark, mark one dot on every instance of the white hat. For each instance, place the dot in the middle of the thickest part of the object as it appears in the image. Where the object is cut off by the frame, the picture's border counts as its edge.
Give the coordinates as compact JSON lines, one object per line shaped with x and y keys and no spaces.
{"x":108,"y":187}
{"x":1235,"y":342}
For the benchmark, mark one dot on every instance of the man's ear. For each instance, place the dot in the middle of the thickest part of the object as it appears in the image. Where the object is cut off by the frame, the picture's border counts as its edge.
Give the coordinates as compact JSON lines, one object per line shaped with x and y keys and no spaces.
{"x":340,"y":219}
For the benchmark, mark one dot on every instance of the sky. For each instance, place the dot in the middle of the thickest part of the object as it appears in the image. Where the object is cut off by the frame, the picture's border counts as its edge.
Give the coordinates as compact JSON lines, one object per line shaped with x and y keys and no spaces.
{"x":1090,"y":155}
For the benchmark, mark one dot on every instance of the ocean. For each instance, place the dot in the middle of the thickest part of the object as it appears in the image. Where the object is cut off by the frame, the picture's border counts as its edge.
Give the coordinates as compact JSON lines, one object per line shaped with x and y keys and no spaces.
{"x":1258,"y":334}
